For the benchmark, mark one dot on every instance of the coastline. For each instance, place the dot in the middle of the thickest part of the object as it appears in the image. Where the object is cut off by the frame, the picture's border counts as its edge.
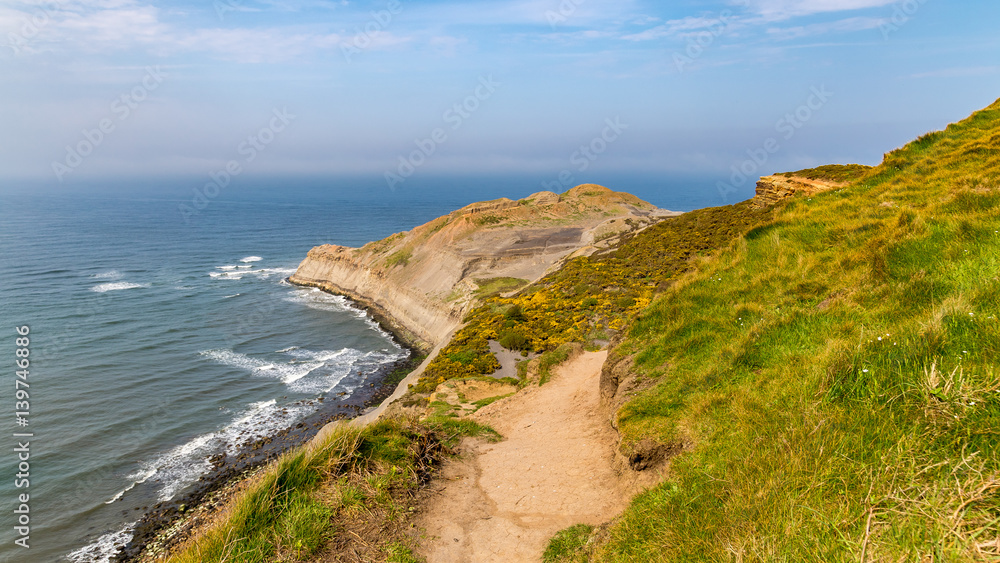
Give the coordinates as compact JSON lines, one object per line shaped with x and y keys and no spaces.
{"x":403,"y":335}
{"x":167,"y":523}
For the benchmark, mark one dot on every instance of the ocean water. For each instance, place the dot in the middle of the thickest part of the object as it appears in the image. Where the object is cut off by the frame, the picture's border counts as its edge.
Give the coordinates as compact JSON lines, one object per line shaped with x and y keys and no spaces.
{"x":158,"y":342}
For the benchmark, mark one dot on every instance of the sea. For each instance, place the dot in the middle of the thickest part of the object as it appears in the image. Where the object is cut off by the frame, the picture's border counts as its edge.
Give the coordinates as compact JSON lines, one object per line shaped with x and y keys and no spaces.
{"x":162,"y":334}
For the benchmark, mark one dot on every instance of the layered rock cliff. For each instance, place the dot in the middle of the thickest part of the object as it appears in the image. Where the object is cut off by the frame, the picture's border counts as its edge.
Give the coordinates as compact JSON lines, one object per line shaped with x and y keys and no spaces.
{"x":772,"y":189}
{"x":421,"y":283}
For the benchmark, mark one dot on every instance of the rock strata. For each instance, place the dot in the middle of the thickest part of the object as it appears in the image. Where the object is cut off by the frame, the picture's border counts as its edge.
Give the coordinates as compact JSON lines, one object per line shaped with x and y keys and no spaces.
{"x":422,"y":282}
{"x":772,"y":189}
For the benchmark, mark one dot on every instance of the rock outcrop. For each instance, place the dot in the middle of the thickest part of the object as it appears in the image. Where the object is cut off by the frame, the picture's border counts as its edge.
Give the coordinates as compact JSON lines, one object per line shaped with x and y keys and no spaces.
{"x":772,"y":189}
{"x":422,"y":282}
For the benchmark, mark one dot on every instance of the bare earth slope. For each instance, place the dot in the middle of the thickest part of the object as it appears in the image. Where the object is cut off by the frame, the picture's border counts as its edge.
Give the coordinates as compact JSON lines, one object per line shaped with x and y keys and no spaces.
{"x":555,"y":468}
{"x":423,"y":281}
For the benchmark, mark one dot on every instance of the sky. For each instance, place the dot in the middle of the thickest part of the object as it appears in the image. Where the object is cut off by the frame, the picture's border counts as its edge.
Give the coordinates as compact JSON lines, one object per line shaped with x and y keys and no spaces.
{"x":562,"y":90}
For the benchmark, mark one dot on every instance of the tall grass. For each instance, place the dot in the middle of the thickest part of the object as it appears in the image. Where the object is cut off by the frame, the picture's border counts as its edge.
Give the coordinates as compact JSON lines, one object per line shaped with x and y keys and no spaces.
{"x":834,"y":373}
{"x":301,"y":504}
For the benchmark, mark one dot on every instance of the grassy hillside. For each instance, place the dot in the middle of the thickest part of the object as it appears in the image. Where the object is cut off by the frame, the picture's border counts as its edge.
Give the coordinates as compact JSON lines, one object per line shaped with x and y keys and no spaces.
{"x":347,"y":499}
{"x":832,"y":375}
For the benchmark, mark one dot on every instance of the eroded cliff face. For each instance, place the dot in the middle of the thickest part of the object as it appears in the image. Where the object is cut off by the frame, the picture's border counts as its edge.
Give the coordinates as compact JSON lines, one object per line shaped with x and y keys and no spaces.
{"x":422,"y":282}
{"x":772,"y":189}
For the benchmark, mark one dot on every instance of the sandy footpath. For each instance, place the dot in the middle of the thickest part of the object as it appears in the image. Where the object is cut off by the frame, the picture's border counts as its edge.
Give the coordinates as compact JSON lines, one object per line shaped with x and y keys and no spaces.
{"x":504,"y":501}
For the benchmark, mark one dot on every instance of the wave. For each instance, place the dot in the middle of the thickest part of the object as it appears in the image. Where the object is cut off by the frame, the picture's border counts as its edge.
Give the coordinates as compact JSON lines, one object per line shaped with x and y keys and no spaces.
{"x":183,"y":465}
{"x":287,"y":373}
{"x":309,"y":371}
{"x":239,"y":272}
{"x":111,"y":275}
{"x":233,"y":295}
{"x":322,"y":301}
{"x":106,"y":546}
{"x":140,"y":478}
{"x":251,"y":259}
{"x":315,"y":298}
{"x":116,"y":286}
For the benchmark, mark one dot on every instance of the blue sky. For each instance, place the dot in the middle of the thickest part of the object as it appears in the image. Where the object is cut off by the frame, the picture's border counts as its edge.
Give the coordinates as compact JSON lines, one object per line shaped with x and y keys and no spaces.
{"x":313,"y":88}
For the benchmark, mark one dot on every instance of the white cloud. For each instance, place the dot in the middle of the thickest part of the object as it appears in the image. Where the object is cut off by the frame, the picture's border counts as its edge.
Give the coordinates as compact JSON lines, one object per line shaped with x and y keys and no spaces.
{"x":776,"y":10}
{"x":253,"y":46}
{"x":814,"y":30}
{"x":958,"y":72}
{"x":681,"y":27}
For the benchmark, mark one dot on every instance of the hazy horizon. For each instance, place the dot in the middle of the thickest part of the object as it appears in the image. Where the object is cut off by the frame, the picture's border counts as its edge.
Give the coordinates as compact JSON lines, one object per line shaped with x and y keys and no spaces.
{"x":561,"y":91}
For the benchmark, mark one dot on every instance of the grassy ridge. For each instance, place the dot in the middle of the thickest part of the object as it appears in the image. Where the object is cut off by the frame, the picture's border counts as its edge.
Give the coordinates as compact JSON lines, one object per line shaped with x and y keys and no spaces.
{"x":834,"y":375}
{"x":351,"y":494}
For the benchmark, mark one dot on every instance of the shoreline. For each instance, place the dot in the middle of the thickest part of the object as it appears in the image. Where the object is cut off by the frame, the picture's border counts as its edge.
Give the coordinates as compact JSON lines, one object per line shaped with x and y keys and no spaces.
{"x":403,"y":335}
{"x":167,"y":517}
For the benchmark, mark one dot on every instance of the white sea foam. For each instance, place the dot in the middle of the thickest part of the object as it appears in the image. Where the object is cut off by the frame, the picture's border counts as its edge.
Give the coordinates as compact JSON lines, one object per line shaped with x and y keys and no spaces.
{"x":227,"y":268}
{"x":233,"y":295}
{"x":309,"y":371}
{"x":111,"y":275}
{"x":270,"y":272}
{"x":323,"y":301}
{"x":315,"y":298}
{"x":288,"y":373}
{"x":183,"y":465}
{"x":252,"y":259}
{"x":115,"y":286}
{"x":239,"y":272}
{"x":138,"y":479}
{"x":106,"y":547}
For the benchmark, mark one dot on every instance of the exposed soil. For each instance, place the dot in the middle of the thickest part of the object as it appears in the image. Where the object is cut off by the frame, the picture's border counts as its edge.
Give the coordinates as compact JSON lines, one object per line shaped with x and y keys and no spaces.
{"x":555,"y":468}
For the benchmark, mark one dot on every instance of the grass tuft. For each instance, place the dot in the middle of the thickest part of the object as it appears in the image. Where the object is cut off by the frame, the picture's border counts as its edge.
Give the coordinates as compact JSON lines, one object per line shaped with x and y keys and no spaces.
{"x":569,"y":545}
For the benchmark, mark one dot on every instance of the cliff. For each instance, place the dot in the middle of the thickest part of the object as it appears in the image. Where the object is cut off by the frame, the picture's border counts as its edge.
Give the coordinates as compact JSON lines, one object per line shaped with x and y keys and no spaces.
{"x":772,"y":189}
{"x":421,"y":283}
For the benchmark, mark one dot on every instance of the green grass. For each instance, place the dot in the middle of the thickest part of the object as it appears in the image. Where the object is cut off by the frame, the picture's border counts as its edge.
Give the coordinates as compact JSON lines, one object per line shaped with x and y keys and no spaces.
{"x":834,"y":172}
{"x":832,"y":375}
{"x":569,"y":545}
{"x":312,"y":499}
{"x":399,"y":258}
{"x":549,"y":360}
{"x":490,"y":400}
{"x":490,"y":287}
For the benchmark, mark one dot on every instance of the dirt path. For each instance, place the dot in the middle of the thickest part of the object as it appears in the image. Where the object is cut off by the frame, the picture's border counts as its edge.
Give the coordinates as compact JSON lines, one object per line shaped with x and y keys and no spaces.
{"x":504,"y":501}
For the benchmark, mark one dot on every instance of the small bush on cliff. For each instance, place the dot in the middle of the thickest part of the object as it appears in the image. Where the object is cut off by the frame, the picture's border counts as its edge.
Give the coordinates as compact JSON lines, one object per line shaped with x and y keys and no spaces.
{"x":399,"y":258}
{"x":512,"y":340}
